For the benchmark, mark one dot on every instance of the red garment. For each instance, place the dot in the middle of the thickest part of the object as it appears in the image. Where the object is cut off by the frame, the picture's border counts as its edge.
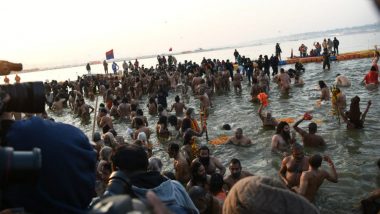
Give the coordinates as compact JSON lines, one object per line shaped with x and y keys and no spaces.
{"x":372,"y":77}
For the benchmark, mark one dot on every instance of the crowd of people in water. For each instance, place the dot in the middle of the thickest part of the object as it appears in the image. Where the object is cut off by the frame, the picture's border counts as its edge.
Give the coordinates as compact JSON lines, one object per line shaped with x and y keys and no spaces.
{"x":203,"y":184}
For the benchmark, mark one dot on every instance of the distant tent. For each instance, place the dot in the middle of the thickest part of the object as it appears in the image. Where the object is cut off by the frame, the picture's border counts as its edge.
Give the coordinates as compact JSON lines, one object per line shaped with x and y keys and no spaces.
{"x":170,"y":49}
{"x":109,"y":54}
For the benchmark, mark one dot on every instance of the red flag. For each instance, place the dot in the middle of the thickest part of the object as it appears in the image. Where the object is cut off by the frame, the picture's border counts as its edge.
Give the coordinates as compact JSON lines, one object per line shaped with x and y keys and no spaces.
{"x":109,"y":54}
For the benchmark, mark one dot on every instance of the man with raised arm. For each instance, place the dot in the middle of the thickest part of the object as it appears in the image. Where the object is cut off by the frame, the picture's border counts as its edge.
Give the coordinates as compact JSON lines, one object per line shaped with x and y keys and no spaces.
{"x":313,"y":178}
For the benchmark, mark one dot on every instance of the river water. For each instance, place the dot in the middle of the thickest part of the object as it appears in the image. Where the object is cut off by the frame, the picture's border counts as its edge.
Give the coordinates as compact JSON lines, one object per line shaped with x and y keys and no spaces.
{"x":354,"y":152}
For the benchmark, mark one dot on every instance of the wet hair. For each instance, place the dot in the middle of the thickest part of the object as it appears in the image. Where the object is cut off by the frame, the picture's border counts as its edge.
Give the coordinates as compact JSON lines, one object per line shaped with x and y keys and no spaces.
{"x":163,"y":120}
{"x":172,"y":120}
{"x":204,"y":148}
{"x":103,"y":110}
{"x":177,"y":98}
{"x":96,"y":136}
{"x":139,"y":112}
{"x":174,"y":147}
{"x":226,"y":127}
{"x":196,"y":192}
{"x":312,"y":128}
{"x":315,"y":161}
{"x":235,"y":161}
{"x":373,"y":68}
{"x":354,"y":112}
{"x":322,"y":84}
{"x":216,"y":183}
{"x":138,"y":121}
{"x":189,"y":111}
{"x":130,"y":158}
{"x":297,"y":146}
{"x":281,"y":126}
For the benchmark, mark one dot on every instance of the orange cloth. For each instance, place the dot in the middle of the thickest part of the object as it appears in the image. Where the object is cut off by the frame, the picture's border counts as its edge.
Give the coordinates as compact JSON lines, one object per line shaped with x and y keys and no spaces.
{"x":263,"y":97}
{"x":194,"y":125}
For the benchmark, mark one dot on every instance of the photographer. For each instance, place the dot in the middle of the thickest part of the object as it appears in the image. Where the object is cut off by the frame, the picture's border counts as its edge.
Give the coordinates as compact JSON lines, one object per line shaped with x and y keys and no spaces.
{"x":65,"y":169}
{"x":131,"y":177}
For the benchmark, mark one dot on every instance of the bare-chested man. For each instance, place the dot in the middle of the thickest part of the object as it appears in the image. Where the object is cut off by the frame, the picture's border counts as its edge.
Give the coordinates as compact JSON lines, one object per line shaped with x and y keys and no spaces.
{"x":237,"y":80}
{"x":268,"y":121}
{"x":325,"y":92}
{"x":255,"y":90}
{"x":239,"y":139}
{"x":205,"y":103}
{"x":178,"y":107}
{"x":313,"y":178}
{"x":310,"y":139}
{"x":342,"y":81}
{"x":284,"y":80}
{"x":85,"y":111}
{"x":105,"y":121}
{"x":57,"y":106}
{"x":124,"y":109}
{"x":282,"y":139}
{"x":236,"y":173}
{"x":210,"y":163}
{"x":140,"y":127}
{"x":181,"y":166}
{"x":293,"y":166}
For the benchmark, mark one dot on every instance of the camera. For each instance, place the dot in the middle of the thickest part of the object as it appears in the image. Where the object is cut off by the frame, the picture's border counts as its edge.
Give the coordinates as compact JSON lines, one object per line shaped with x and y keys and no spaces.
{"x":26,"y":97}
{"x":19,"y":166}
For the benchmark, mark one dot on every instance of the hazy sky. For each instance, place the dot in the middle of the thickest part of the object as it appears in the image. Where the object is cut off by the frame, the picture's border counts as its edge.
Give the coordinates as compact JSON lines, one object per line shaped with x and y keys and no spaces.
{"x":48,"y":32}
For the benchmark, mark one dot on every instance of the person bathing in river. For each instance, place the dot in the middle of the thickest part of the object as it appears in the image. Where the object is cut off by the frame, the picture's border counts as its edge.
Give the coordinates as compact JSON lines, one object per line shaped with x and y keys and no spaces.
{"x":313,"y":178}
{"x":268,"y":120}
{"x":293,"y":166}
{"x":325,"y":92}
{"x":354,"y":118}
{"x":282,"y":140}
{"x":342,"y":81}
{"x":239,"y":139}
{"x":309,"y":139}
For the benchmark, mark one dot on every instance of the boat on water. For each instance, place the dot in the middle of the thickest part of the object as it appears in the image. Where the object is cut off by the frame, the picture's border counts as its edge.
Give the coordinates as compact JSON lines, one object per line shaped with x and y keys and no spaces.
{"x":340,"y":57}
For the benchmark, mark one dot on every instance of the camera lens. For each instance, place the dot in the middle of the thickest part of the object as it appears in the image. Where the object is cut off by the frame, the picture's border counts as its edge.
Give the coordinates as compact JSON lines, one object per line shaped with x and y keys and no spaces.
{"x":19,"y":166}
{"x":26,"y":97}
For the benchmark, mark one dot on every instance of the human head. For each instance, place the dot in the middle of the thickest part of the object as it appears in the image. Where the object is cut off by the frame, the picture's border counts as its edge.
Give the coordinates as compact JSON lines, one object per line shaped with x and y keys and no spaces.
{"x":177,"y":99}
{"x":235,"y":168}
{"x":239,"y":133}
{"x":313,"y":128}
{"x":139,"y":122}
{"x":163,"y":120}
{"x":190,"y":112}
{"x":226,"y":127}
{"x":173,"y":150}
{"x":172,"y":120}
{"x":282,"y":127}
{"x":373,"y":68}
{"x":139,"y":112}
{"x":96,"y":137}
{"x":256,"y":194}
{"x":315,"y":161}
{"x":282,"y":70}
{"x":155,"y":164}
{"x":198,"y":172}
{"x":129,"y":159}
{"x":200,"y":197}
{"x":297,"y":152}
{"x":105,"y":153}
{"x":322,"y":84}
{"x":216,"y":183}
{"x":204,"y":155}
